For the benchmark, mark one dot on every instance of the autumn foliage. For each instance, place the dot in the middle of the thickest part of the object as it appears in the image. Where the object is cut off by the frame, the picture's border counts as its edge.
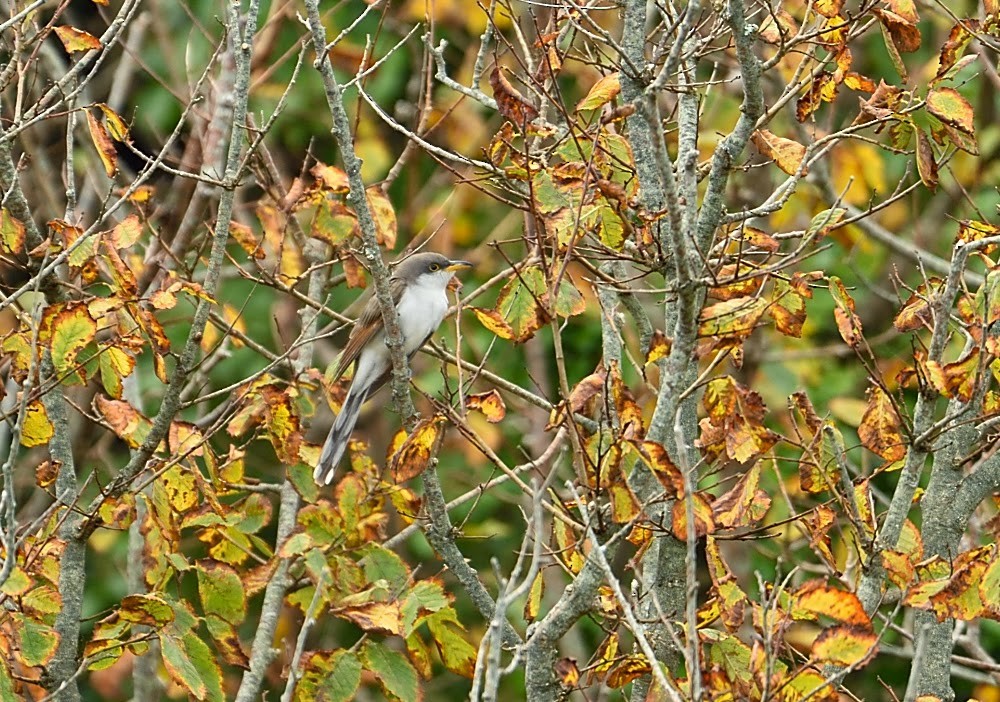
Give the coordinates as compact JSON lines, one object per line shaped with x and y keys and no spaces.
{"x":713,"y":417}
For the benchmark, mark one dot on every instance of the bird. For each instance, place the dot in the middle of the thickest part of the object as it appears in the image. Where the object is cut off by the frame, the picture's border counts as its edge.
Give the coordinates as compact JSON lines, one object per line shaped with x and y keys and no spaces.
{"x":419,"y":290}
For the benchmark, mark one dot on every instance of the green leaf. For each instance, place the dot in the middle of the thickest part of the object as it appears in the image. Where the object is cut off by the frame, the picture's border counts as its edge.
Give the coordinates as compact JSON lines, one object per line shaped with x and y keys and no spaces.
{"x":333,"y":222}
{"x":6,"y":683}
{"x":332,"y":677}
{"x":221,"y":591}
{"x":37,"y":641}
{"x":115,"y":364}
{"x":208,"y":669}
{"x":457,"y":654}
{"x":394,"y":672}
{"x":382,"y":564}
{"x":824,"y":222}
{"x":180,"y":667}
{"x":611,"y":230}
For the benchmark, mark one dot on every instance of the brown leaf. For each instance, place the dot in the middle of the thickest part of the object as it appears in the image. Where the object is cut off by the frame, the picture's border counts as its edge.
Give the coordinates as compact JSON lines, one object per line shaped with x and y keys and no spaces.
{"x":568,"y":673}
{"x":414,"y":456}
{"x":904,"y":34}
{"x":510,"y":102}
{"x":953,"y":48}
{"x":926,"y":165}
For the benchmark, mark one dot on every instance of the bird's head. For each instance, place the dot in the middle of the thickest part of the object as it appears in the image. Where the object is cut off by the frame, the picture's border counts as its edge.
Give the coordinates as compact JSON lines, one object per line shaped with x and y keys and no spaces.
{"x":429,"y":269}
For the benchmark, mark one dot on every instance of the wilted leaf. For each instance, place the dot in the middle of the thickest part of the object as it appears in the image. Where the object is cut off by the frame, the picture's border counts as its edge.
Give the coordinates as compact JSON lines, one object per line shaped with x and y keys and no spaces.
{"x":510,"y":102}
{"x":879,"y":430}
{"x":953,"y":48}
{"x":704,"y":523}
{"x":786,"y":153}
{"x":105,"y":147}
{"x":385,"y":216}
{"x":490,"y":403}
{"x":124,"y":420}
{"x":743,"y":505}
{"x":848,"y":323}
{"x":957,"y":379}
{"x":415,"y":454}
{"x":926,"y":163}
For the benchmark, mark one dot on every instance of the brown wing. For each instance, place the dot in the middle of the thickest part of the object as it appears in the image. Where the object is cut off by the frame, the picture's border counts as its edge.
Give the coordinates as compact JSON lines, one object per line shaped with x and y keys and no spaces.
{"x":367,"y":326}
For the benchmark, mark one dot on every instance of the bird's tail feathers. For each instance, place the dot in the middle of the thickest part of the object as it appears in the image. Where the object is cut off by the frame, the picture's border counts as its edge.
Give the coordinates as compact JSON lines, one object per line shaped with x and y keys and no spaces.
{"x":340,"y":434}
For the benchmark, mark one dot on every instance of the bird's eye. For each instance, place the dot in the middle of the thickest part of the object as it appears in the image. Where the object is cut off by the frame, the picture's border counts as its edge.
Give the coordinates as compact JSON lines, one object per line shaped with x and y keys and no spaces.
{"x":433,"y":268}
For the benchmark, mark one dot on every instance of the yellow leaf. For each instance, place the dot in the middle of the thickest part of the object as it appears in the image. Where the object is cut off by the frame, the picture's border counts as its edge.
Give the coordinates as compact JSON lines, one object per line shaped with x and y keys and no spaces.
{"x":116,"y":125}
{"x":490,"y":403}
{"x":786,"y":153}
{"x":385,"y":216}
{"x":603,"y":92}
{"x":75,"y":40}
{"x":37,"y":429}
{"x":105,"y":147}
{"x":11,"y":233}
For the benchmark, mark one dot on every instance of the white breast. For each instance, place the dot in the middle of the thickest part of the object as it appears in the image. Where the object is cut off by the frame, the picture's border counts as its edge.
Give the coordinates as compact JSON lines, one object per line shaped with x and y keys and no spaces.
{"x":421,"y":309}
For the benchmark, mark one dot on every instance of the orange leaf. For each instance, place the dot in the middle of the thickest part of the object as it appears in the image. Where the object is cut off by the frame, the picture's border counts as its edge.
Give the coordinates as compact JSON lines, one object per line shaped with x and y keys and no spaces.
{"x":879,"y":430}
{"x":786,"y":153}
{"x":704,"y":524}
{"x":414,"y":456}
{"x":490,"y":403}
{"x":845,"y":607}
{"x":105,"y":147}
{"x":75,"y":40}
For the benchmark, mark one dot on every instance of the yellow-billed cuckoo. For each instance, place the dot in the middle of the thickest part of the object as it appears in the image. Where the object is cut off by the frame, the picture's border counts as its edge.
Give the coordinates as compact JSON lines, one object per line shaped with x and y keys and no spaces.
{"x":418,"y":287}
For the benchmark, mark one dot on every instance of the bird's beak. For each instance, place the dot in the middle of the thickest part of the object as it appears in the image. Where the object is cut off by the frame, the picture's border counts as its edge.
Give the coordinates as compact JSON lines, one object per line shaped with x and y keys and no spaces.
{"x":458,"y":266}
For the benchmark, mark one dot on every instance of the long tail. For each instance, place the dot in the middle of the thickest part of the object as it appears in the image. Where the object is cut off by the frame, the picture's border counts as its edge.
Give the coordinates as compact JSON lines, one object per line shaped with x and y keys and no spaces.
{"x":340,"y":434}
